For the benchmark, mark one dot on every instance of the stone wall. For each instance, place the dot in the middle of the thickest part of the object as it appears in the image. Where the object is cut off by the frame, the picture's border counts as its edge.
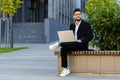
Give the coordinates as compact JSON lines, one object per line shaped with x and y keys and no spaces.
{"x":41,"y":32}
{"x":28,"y":33}
{"x":51,"y":28}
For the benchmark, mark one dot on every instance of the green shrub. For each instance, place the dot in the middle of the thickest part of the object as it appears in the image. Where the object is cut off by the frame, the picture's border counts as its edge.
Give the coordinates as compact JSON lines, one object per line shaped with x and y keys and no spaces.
{"x":104,"y":17}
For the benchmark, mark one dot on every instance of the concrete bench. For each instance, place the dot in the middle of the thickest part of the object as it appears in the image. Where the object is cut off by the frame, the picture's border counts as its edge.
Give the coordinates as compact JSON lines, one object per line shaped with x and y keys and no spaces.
{"x":99,"y":62}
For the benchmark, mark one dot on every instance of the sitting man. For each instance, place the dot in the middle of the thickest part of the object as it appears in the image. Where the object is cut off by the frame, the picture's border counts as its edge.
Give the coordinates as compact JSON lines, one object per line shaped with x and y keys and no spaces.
{"x":82,"y":33}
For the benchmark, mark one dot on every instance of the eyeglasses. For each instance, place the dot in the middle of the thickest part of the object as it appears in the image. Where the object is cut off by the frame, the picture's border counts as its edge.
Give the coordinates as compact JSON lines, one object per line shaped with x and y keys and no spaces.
{"x":77,"y":14}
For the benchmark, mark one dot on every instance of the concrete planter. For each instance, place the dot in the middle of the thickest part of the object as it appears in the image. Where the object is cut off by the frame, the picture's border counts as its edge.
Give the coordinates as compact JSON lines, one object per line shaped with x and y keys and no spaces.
{"x":98,"y":62}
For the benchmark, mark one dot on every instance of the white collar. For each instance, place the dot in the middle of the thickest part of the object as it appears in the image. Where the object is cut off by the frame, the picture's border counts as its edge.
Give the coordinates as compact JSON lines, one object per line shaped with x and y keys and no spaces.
{"x":77,"y":24}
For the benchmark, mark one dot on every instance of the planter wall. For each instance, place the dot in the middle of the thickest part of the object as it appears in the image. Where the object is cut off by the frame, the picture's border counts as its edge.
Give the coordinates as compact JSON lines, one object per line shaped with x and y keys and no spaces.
{"x":99,"y":62}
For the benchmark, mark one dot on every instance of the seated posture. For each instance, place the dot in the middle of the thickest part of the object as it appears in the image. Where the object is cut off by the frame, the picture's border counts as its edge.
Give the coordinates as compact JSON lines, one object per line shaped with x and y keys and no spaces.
{"x":82,"y":33}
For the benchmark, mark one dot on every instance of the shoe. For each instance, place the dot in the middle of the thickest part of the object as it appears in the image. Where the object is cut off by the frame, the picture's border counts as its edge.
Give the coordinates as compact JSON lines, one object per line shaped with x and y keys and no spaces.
{"x":65,"y":72}
{"x":54,"y":46}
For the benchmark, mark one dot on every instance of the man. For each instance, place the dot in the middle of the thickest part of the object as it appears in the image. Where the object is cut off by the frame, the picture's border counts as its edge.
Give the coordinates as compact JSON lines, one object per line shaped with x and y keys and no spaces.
{"x":83,"y":34}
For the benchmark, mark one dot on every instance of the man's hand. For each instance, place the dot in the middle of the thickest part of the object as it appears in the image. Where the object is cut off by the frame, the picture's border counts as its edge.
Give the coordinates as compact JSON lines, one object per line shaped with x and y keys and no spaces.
{"x":78,"y":41}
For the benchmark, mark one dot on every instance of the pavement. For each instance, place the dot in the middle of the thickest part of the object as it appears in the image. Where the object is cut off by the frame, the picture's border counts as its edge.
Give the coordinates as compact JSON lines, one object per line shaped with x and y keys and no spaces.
{"x":37,"y":63}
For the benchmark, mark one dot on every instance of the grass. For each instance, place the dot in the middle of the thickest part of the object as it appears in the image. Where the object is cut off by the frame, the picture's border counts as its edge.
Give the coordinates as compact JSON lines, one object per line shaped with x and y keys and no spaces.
{"x":5,"y":50}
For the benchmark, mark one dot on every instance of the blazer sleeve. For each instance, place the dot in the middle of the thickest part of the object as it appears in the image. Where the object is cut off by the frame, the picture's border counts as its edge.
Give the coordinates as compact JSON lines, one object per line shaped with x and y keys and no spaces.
{"x":89,"y":34}
{"x":71,"y":27}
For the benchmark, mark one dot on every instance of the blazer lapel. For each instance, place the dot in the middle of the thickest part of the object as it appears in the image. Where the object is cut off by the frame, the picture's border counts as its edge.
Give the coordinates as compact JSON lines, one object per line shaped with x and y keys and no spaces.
{"x":74,"y":28}
{"x":80,"y":26}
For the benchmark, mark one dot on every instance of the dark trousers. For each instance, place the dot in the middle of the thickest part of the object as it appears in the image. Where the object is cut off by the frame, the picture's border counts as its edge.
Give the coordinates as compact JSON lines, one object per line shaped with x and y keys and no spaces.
{"x":66,"y":47}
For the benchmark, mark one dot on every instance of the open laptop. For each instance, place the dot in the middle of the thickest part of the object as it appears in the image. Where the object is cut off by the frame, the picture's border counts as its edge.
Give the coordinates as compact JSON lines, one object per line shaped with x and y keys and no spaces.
{"x":66,"y":36}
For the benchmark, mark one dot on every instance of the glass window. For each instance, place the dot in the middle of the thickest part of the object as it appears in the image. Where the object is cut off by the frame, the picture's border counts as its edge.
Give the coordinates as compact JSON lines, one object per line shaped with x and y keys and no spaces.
{"x":32,"y":11}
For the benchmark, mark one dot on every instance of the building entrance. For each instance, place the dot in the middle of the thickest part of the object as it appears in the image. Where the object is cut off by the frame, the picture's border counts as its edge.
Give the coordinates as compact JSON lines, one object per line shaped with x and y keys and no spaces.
{"x":32,"y":11}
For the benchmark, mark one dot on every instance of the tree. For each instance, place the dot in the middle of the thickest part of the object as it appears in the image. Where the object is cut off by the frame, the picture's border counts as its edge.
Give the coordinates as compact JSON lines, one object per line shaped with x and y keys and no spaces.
{"x":8,"y":8}
{"x":104,"y":16}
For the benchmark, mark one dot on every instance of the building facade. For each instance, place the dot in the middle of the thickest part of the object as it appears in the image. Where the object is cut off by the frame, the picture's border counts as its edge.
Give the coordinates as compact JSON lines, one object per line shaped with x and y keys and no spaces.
{"x":38,"y":10}
{"x":37,"y":21}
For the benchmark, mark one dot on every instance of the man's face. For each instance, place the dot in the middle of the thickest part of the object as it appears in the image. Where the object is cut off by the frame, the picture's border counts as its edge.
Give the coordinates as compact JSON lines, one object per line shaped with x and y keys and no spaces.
{"x":77,"y":16}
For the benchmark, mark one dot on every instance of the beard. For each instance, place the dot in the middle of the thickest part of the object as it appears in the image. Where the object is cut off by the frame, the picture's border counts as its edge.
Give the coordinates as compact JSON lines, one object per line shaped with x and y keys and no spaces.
{"x":77,"y":19}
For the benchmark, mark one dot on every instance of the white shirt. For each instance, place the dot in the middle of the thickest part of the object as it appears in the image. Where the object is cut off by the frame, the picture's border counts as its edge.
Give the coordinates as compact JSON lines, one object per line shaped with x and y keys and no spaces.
{"x":76,"y":29}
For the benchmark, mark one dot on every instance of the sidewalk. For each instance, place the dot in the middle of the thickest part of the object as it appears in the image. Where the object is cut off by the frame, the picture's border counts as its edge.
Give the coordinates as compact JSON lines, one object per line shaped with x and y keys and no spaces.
{"x":36,"y":63}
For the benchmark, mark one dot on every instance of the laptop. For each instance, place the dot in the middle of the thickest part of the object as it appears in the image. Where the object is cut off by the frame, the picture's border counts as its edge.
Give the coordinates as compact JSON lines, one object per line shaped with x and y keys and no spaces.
{"x":66,"y":36}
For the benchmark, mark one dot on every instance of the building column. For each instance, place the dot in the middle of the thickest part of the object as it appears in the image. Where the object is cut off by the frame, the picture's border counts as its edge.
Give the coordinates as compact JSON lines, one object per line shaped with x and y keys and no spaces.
{"x":50,"y":9}
{"x":72,"y":3}
{"x":60,"y":10}
{"x":79,"y":5}
{"x":23,"y":13}
{"x":64,"y":10}
{"x":69,"y":10}
{"x":68,"y":13}
{"x":55,"y":8}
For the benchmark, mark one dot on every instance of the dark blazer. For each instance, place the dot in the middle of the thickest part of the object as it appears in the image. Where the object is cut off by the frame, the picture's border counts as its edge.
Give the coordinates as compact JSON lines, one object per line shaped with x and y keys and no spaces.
{"x":84,"y":33}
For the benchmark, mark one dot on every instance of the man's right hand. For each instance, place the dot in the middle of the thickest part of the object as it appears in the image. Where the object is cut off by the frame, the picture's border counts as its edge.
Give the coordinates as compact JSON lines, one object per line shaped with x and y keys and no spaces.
{"x":78,"y":41}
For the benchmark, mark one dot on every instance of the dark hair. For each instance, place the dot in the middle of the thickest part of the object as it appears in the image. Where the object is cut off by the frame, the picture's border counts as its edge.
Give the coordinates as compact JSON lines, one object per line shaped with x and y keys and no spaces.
{"x":77,"y":9}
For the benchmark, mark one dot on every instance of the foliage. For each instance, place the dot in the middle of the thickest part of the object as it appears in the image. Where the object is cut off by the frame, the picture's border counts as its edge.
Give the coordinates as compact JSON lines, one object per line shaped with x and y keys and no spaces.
{"x":4,"y":50}
{"x":104,"y":17}
{"x":9,"y":7}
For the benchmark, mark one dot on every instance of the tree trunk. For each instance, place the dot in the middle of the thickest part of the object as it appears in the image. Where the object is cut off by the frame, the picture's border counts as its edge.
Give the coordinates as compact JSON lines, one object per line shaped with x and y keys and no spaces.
{"x":11,"y":33}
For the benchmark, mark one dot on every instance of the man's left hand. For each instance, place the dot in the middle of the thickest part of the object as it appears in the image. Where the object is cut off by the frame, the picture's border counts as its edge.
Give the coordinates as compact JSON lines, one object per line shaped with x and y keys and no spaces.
{"x":78,"y":41}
